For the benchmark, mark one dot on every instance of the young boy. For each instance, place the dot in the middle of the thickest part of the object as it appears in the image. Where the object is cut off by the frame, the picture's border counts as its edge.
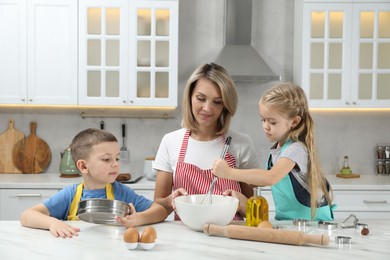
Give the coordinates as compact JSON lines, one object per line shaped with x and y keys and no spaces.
{"x":96,"y":153}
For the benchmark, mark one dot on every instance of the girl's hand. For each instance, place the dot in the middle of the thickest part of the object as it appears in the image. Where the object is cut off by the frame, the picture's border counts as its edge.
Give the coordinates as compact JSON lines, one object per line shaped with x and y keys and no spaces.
{"x":221,"y":168}
{"x":129,"y":220}
{"x":241,"y":200}
{"x":177,"y":193}
{"x":62,"y":229}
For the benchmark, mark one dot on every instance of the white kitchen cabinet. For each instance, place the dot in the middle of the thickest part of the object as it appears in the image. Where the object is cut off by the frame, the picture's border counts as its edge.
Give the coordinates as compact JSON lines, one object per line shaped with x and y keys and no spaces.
{"x":38,"y":52}
{"x":363,"y":204}
{"x":128,"y":52}
{"x":14,"y":201}
{"x":342,"y":53}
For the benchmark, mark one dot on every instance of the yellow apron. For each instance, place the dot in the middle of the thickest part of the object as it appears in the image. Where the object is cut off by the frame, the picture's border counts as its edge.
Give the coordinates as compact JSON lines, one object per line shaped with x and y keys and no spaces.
{"x":76,"y":199}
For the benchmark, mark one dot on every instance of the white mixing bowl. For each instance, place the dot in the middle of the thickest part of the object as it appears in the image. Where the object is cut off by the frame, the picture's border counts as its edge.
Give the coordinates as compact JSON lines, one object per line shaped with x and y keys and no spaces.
{"x":195,"y":214}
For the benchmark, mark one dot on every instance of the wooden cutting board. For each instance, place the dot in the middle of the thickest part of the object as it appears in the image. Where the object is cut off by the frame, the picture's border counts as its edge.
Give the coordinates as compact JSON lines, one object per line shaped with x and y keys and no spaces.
{"x":8,"y":139}
{"x":31,"y":154}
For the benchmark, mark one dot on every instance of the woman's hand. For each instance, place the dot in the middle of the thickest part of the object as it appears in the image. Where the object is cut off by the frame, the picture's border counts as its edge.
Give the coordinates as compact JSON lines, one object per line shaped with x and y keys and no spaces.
{"x":177,"y":193}
{"x":128,"y":220}
{"x":241,"y":200}
{"x":221,"y":168}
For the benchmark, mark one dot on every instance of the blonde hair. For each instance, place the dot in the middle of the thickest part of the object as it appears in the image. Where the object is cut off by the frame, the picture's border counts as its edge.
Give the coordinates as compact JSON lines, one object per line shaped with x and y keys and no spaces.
{"x":290,"y":100}
{"x":221,"y":78}
{"x":82,"y":143}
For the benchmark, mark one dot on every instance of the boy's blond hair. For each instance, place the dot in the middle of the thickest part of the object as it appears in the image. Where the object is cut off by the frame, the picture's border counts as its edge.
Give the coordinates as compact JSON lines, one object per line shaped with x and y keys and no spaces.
{"x":82,"y":143}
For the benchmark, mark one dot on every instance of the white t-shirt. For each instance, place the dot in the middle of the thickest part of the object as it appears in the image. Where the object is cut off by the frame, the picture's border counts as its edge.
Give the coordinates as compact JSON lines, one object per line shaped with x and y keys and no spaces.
{"x":204,"y":153}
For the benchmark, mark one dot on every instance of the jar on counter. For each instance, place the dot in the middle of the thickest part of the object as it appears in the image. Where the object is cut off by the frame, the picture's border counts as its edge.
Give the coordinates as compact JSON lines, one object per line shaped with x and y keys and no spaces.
{"x":387,"y":167}
{"x":380,"y":167}
{"x":387,"y":152}
{"x":380,"y":150}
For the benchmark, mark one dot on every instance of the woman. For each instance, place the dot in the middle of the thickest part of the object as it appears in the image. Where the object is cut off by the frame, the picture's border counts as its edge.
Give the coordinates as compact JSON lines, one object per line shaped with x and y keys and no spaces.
{"x":185,"y":156}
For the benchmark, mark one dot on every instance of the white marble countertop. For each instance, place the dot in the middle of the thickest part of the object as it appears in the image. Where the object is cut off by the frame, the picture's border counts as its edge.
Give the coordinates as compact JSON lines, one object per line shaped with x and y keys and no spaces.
{"x":176,"y":241}
{"x":53,"y":180}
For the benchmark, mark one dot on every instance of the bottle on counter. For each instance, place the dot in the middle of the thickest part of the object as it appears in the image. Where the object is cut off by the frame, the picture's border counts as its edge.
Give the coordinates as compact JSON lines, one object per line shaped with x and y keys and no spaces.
{"x":346,"y":169}
{"x":256,"y":208}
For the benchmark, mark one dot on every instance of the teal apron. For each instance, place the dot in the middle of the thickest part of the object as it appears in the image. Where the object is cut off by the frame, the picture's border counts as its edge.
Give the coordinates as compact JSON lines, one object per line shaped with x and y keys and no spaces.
{"x":292,"y":200}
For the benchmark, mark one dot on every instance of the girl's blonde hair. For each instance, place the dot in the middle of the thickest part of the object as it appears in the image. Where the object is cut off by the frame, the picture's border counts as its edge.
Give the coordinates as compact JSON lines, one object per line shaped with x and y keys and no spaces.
{"x":221,"y":78}
{"x":290,"y":100}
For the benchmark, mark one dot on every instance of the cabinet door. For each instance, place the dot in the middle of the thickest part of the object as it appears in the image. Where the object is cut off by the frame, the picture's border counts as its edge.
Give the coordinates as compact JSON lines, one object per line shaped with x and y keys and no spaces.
{"x":153,"y":53}
{"x":52,"y":51}
{"x":14,"y":201}
{"x":128,"y":52}
{"x":326,"y":50}
{"x":371,"y":55}
{"x":44,"y":71}
{"x":103,"y":35}
{"x":13,"y":55}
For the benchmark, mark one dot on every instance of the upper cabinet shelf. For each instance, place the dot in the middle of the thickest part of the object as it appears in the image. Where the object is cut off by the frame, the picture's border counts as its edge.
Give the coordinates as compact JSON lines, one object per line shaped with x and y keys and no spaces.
{"x":128,"y":53}
{"x":343,"y":53}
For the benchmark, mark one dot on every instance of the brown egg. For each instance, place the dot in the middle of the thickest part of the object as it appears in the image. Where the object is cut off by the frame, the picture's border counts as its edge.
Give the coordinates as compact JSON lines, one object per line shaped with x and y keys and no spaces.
{"x":265,"y":224}
{"x":149,"y":235}
{"x":131,"y":235}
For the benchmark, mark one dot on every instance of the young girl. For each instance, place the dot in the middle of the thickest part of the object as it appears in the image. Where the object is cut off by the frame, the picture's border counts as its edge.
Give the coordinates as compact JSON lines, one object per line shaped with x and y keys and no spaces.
{"x":299,"y":188}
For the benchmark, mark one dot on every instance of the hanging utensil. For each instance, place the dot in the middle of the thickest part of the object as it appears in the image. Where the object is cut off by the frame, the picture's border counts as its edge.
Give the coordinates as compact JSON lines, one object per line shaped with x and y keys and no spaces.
{"x":208,"y":198}
{"x":124,"y":153}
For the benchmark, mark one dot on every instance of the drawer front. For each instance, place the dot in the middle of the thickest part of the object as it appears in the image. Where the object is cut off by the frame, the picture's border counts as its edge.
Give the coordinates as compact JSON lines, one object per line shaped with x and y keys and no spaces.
{"x":362,"y":200}
{"x":14,"y":201}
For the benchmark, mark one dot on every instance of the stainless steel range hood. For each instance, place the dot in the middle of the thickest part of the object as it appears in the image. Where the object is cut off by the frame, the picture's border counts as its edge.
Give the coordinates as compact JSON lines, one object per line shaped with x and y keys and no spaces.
{"x":238,"y":56}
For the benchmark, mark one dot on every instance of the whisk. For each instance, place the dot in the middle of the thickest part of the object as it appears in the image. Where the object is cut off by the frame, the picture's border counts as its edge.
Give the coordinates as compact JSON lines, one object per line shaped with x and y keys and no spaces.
{"x":208,"y":198}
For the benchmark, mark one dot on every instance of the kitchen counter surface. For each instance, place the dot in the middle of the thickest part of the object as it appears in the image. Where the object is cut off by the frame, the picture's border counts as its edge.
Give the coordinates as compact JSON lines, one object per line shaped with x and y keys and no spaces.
{"x":53,"y":180}
{"x":176,"y":241}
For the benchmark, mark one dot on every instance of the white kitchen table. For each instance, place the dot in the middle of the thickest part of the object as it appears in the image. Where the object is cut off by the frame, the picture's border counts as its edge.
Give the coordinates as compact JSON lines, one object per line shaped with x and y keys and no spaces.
{"x":176,"y":241}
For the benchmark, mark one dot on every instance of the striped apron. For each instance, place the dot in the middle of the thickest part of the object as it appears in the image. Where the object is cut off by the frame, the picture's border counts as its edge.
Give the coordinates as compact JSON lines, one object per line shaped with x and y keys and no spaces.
{"x":197,"y":181}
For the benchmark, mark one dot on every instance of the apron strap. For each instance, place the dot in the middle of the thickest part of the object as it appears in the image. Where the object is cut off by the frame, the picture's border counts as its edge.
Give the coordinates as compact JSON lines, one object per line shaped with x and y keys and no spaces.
{"x":184,"y":144}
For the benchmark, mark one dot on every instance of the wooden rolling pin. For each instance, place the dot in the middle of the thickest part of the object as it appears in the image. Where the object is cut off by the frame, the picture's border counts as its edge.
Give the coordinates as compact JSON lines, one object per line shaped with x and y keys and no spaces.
{"x":289,"y":237}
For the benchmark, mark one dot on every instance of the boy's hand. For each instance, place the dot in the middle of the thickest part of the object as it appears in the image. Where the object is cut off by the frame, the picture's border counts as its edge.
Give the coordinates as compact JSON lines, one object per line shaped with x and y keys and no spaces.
{"x":62,"y":229}
{"x":128,"y":220}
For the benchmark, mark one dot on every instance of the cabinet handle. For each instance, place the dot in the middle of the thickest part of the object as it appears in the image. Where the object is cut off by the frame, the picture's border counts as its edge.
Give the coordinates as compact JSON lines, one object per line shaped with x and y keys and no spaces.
{"x":30,"y":100}
{"x":29,"y":195}
{"x":354,"y":103}
{"x":375,"y":201}
{"x":347,"y":103}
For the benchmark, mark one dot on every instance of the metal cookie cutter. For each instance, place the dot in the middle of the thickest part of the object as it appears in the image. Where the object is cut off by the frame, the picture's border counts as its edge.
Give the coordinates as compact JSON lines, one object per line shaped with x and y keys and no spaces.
{"x":354,"y":219}
{"x":327,"y":225}
{"x":300,"y":222}
{"x":360,"y":226}
{"x":342,"y":240}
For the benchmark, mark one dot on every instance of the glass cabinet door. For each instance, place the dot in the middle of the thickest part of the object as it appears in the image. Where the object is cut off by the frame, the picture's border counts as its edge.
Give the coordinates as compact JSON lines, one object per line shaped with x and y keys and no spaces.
{"x":153,"y":52}
{"x":128,"y":52}
{"x":371,"y":62}
{"x":103,"y":65}
{"x":325,"y":70}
